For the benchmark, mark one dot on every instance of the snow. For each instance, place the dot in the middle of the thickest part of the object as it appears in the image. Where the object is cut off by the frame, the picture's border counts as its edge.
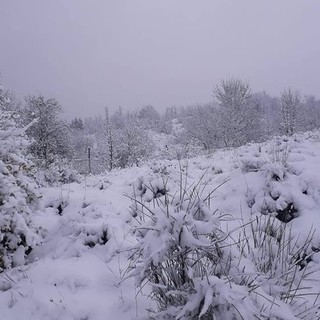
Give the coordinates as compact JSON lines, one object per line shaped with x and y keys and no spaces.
{"x":79,"y":271}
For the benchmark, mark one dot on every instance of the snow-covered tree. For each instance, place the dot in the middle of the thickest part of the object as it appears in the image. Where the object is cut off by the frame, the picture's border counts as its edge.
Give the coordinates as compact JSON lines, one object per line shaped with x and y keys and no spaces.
{"x":77,"y":124}
{"x":11,"y":103}
{"x":309,"y":117}
{"x":119,"y":141}
{"x":50,"y":134}
{"x":18,"y":192}
{"x":201,"y":124}
{"x":238,"y":118}
{"x":2,"y":98}
{"x":290,"y":103}
{"x":131,"y":143}
{"x":149,"y":117}
{"x":269,"y":113}
{"x":105,"y":142}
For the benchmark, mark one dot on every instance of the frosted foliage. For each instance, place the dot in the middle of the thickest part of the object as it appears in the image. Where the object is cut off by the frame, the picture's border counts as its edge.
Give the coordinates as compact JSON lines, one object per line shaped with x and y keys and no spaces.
{"x":210,"y":239}
{"x":198,"y":270}
{"x":2,"y":100}
{"x":290,"y":102}
{"x":123,"y":146}
{"x":18,"y":194}
{"x":237,"y":116}
{"x":50,"y":135}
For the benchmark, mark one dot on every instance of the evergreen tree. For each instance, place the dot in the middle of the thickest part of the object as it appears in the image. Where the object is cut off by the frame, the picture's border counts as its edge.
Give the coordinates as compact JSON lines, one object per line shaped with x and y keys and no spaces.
{"x":18,"y":192}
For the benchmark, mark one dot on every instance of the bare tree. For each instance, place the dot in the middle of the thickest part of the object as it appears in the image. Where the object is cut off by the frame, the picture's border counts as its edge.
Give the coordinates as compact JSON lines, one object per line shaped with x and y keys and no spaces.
{"x":102,"y":143}
{"x":269,"y":114}
{"x":309,"y":116}
{"x":149,"y":118}
{"x":50,"y":134}
{"x":237,"y":117}
{"x":202,"y":125}
{"x":290,"y":103}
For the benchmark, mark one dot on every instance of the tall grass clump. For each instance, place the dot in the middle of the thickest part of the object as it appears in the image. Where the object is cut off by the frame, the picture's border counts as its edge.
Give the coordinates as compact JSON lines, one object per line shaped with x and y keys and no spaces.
{"x":196,"y":270}
{"x":283,"y":264}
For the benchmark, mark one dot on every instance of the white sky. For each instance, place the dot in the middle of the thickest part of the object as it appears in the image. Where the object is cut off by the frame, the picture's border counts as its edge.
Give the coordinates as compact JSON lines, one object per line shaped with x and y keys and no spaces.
{"x":89,"y":54}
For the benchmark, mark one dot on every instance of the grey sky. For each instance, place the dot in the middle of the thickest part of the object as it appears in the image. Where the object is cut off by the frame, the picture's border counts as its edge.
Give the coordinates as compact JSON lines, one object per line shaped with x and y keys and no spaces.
{"x":94,"y":53}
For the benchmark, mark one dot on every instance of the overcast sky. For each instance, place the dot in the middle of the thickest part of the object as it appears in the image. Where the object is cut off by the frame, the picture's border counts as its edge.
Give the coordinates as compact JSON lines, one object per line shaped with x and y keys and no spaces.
{"x":89,"y":54}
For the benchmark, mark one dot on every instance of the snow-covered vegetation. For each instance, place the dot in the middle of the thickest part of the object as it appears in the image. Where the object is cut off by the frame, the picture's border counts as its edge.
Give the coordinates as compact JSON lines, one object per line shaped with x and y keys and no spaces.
{"x":18,"y":193}
{"x":206,"y":212}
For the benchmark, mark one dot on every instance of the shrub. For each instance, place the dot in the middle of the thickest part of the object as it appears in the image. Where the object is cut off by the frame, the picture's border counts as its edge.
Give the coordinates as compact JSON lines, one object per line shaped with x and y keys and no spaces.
{"x":57,"y":173}
{"x":197,"y":271}
{"x":18,"y":194}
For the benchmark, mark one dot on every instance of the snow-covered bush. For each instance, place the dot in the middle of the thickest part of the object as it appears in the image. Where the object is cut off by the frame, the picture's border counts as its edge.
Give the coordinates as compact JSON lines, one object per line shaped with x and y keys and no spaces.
{"x":18,"y":194}
{"x":132,"y":145}
{"x":56,"y":173}
{"x":196,"y":270}
{"x":281,"y":263}
{"x":92,"y":229}
{"x":277,"y":196}
{"x":183,"y":254}
{"x":278,"y":151}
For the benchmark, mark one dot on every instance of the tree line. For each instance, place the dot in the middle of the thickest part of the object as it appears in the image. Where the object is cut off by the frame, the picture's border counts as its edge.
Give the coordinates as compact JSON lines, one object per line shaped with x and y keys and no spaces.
{"x":235,"y":116}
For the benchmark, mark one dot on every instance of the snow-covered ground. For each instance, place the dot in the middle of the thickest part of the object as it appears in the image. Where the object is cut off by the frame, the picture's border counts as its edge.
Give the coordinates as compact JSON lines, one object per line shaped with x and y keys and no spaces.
{"x":79,"y":271}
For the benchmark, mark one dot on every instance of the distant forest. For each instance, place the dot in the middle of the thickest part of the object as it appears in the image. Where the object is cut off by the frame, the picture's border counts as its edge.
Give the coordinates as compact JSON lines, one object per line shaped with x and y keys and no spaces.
{"x":235,"y":116}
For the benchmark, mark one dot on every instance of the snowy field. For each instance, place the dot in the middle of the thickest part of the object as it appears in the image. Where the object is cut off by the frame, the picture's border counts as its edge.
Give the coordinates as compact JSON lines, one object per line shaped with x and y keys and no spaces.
{"x":82,"y":269}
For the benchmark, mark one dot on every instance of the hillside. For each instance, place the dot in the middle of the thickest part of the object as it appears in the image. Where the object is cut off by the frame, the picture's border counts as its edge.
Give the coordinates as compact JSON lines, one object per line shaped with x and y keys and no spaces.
{"x":263,"y":201}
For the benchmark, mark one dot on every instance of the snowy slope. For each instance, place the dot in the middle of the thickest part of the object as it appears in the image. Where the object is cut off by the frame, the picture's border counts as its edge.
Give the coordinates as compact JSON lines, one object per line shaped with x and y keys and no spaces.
{"x":78,"y":272}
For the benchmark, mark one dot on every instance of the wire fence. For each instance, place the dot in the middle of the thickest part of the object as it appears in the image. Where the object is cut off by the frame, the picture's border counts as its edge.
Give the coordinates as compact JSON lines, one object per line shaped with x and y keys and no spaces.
{"x":84,"y":166}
